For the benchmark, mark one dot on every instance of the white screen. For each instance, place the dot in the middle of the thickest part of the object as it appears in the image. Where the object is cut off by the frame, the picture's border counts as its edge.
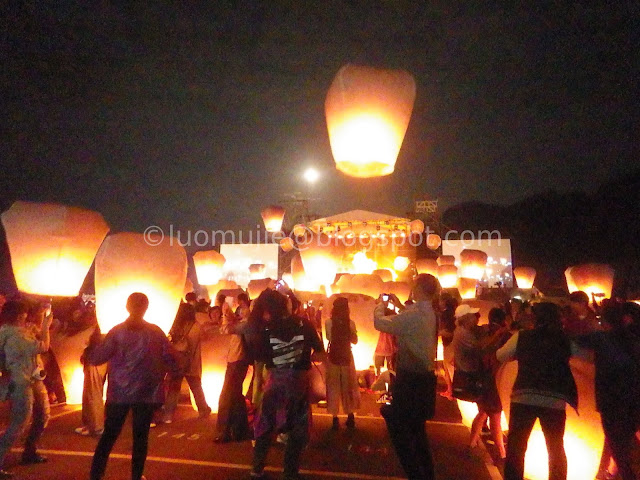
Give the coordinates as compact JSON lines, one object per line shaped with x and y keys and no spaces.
{"x":499,"y":268}
{"x":240,"y":256}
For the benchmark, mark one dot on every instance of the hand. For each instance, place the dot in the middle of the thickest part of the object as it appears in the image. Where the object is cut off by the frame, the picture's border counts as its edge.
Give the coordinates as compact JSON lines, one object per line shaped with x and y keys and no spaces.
{"x":47,"y":320}
{"x":395,"y":300}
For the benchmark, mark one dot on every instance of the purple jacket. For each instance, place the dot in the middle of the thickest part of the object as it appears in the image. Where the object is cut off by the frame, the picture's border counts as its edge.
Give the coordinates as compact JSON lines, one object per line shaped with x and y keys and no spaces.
{"x":139,"y":355}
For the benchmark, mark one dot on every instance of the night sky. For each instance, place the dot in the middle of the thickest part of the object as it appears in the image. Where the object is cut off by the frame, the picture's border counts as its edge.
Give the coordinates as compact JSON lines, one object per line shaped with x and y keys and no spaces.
{"x":200,"y":117}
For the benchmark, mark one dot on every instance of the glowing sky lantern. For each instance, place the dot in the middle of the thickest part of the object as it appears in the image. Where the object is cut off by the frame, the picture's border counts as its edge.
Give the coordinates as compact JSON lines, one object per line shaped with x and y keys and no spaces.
{"x":368,"y":112}
{"x":400,"y":264}
{"x":209,"y":265}
{"x":467,"y":288}
{"x":472,"y":263}
{"x":286,"y":244}
{"x":299,"y":230}
{"x":427,"y":265}
{"x":297,"y":272}
{"x":448,"y":276}
{"x":319,"y":257}
{"x":416,"y":227}
{"x":446,"y":260}
{"x":256,"y":287}
{"x":524,"y":276}
{"x":132,"y":262}
{"x":273,"y":216}
{"x":256,"y":271}
{"x":363,"y":264}
{"x":385,"y":274}
{"x":433,"y":241}
{"x":591,"y":278}
{"x":363,"y":284}
{"x":52,"y":246}
{"x":399,"y":289}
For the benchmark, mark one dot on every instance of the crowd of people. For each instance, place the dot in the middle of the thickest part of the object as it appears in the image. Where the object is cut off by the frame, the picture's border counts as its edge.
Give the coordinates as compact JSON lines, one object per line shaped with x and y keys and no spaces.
{"x":278,"y":339}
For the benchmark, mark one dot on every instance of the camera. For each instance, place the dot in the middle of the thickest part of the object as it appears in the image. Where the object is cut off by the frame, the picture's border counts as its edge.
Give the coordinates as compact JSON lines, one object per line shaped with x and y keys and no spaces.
{"x":385,"y":297}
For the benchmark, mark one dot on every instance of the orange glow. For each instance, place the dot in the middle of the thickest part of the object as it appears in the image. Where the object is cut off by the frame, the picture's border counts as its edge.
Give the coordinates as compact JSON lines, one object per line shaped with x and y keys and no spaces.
{"x":127,"y":263}
{"x":433,"y":241}
{"x":467,"y":288}
{"x":524,"y":276}
{"x":400,"y":264}
{"x":213,"y":290}
{"x":299,"y":230}
{"x":446,"y":260}
{"x":68,"y":350}
{"x":319,"y":260}
{"x":256,"y":287}
{"x":52,"y":246}
{"x":591,"y":278}
{"x":427,"y":265}
{"x":363,"y":264}
{"x":209,"y":265}
{"x":368,"y":112}
{"x":370,"y":285}
{"x":416,"y":226}
{"x":286,"y":244}
{"x":472,"y":263}
{"x":448,"y":276}
{"x":273,"y":216}
{"x":385,"y":274}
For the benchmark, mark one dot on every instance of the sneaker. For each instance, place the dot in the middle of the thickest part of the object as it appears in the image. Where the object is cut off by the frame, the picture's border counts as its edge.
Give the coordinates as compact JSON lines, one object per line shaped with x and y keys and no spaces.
{"x":351,"y":421}
{"x":84,"y":431}
{"x":335,"y":425}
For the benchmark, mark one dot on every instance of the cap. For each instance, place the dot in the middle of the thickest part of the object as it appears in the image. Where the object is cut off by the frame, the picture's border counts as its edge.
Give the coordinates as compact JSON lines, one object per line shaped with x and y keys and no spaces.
{"x":465,"y":309}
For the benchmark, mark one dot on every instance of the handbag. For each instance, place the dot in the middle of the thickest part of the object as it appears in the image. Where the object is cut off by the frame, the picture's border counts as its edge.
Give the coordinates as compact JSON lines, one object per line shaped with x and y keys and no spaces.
{"x":468,"y":386}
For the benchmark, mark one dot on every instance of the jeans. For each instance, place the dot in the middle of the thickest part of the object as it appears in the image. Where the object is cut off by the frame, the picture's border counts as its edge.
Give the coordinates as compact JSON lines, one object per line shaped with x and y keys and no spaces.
{"x":116,"y":414}
{"x":521,"y":421}
{"x":414,"y":397}
{"x":28,"y":402}
{"x":232,"y":409}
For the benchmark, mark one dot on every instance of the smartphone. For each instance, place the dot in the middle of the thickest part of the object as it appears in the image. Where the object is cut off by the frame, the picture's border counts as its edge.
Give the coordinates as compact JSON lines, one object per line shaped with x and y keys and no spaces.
{"x":385,"y":297}
{"x":47,"y":309}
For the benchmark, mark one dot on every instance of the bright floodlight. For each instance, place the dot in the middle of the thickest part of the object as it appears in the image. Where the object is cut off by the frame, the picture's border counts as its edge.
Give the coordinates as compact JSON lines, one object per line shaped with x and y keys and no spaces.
{"x":311,"y":175}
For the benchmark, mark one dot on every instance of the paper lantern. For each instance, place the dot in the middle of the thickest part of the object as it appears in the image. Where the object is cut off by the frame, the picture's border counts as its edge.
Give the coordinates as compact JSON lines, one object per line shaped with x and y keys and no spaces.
{"x":591,"y":278}
{"x":446,"y":260}
{"x":209,"y":265}
{"x":448,"y":276}
{"x":188,"y":287}
{"x":256,"y":271}
{"x":433,"y":241}
{"x":132,"y":262}
{"x":52,"y":246}
{"x":319,"y":257}
{"x":416,"y":227}
{"x":467,"y":288}
{"x":286,"y":244}
{"x":212,"y":291}
{"x":472,"y":263}
{"x":273,"y":216}
{"x":299,"y":230}
{"x":427,"y":265}
{"x":524,"y":276}
{"x":400,"y":264}
{"x":363,"y":284}
{"x":385,"y":274}
{"x":256,"y":287}
{"x":368,"y":112}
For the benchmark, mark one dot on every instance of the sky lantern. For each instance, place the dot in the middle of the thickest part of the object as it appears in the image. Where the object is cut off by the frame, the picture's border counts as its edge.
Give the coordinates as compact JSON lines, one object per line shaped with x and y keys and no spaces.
{"x":256,"y":287}
{"x":472,"y":263}
{"x":400,"y":264}
{"x":448,"y":276}
{"x":433,"y":241}
{"x":256,"y":271}
{"x":467,"y":288}
{"x":385,"y":274}
{"x":524,"y":276}
{"x":209,"y":265}
{"x":446,"y":260}
{"x":286,"y":244}
{"x":399,"y":289}
{"x":52,"y":246}
{"x":319,"y":257}
{"x":595,"y":279}
{"x":364,"y":284}
{"x":297,"y":272}
{"x":416,"y":227}
{"x":368,"y":112}
{"x":273,"y":216}
{"x":363,"y":264}
{"x":427,"y":265}
{"x":132,"y":262}
{"x":299,"y":230}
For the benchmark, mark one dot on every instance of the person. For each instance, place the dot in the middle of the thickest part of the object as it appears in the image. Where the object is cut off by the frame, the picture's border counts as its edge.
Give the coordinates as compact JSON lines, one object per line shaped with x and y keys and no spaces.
{"x":232,"y":423}
{"x":186,"y":337}
{"x":544,"y":386}
{"x":138,"y":355}
{"x":19,"y":349}
{"x":581,"y":319}
{"x":470,"y":345}
{"x":342,"y":382}
{"x":414,"y":389}
{"x":617,"y":381}
{"x":448,"y":304}
{"x":288,"y":342}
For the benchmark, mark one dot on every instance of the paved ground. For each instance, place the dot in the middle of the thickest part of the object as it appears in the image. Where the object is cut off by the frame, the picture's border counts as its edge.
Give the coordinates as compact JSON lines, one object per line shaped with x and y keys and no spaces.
{"x":185,"y":450}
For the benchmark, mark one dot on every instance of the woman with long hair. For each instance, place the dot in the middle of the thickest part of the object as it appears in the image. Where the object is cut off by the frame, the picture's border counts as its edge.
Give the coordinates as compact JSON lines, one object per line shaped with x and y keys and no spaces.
{"x":543,"y":387}
{"x":342,"y":382}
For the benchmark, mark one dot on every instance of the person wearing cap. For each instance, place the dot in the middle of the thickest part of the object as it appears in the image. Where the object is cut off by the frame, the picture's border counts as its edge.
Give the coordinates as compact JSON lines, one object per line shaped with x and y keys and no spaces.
{"x":414,"y":389}
{"x":470,"y":346}
{"x":26,"y":391}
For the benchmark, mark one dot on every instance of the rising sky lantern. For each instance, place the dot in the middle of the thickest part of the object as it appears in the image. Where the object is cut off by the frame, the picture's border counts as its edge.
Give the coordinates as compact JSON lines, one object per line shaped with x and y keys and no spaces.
{"x":433,"y":241}
{"x":524,"y":276}
{"x":416,"y":227}
{"x":427,"y":265}
{"x":52,"y":246}
{"x":273,"y":216}
{"x":472,"y":263}
{"x":448,"y":276}
{"x":591,"y":278}
{"x":446,"y":260}
{"x":467,"y":288}
{"x":299,"y":230}
{"x":286,"y":244}
{"x":320,"y":260}
{"x":385,"y":274}
{"x":127,"y":263}
{"x":368,"y":112}
{"x":400,"y":264}
{"x":209,"y":265}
